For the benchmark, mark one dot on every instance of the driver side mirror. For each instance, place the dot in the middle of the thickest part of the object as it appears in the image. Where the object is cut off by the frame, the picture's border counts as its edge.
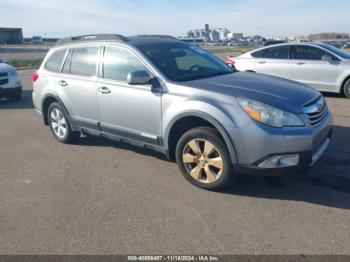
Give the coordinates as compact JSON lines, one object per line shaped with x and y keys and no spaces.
{"x":139,"y":78}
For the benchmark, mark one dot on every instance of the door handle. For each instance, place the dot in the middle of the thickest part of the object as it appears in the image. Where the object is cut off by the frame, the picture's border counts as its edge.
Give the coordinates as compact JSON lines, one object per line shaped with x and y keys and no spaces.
{"x":62,"y":83}
{"x":301,"y":63}
{"x":262,"y":62}
{"x":104,"y":90}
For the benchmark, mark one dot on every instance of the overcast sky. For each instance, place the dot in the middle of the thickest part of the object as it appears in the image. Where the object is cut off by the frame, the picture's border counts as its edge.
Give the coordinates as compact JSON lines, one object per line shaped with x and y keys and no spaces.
{"x":175,"y":17}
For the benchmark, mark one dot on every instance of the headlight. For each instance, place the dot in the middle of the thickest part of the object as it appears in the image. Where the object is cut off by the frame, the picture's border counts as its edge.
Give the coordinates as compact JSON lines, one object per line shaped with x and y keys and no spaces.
{"x":269,"y":115}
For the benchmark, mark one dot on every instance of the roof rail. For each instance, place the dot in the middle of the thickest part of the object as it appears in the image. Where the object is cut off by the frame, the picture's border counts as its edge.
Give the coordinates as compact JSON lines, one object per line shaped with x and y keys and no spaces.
{"x":159,"y":36}
{"x":86,"y":38}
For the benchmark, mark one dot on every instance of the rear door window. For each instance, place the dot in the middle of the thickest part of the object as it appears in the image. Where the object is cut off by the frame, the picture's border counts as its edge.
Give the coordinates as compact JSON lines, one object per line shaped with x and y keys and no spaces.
{"x":280,"y":52}
{"x":83,"y":61}
{"x":55,"y":61}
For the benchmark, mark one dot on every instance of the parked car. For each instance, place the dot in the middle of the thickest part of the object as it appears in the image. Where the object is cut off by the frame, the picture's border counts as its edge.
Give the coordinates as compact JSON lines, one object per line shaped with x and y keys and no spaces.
{"x":321,"y":66}
{"x":346,"y":46}
{"x":273,"y":42}
{"x":10,"y":83}
{"x":180,"y":100}
{"x":37,"y":40}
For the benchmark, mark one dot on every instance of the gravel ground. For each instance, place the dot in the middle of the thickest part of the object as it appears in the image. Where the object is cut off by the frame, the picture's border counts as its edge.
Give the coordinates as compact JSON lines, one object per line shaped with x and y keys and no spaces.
{"x":101,"y":197}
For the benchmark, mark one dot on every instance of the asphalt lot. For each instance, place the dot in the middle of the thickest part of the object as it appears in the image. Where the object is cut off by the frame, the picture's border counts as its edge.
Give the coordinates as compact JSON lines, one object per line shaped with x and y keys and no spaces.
{"x":101,"y":197}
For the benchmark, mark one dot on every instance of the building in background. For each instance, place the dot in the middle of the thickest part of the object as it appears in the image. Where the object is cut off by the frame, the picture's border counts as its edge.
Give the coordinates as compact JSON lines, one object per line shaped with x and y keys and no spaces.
{"x":207,"y":31}
{"x":222,"y":33}
{"x":11,"y":35}
{"x":215,"y":34}
{"x":234,"y":36}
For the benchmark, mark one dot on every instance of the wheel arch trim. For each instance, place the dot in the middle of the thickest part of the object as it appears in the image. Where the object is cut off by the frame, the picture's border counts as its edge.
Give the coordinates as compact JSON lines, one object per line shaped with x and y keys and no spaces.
{"x":219,"y":127}
{"x":55,"y":97}
{"x":343,"y":82}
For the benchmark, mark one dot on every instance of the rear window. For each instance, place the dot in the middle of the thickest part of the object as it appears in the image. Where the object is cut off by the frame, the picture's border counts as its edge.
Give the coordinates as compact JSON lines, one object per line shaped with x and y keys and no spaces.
{"x":55,"y":61}
{"x":83,"y":61}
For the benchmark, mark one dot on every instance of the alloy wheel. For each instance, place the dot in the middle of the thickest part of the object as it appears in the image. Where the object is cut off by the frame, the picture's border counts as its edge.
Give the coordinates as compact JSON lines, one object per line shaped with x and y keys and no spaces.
{"x":58,"y":123}
{"x":203,"y":161}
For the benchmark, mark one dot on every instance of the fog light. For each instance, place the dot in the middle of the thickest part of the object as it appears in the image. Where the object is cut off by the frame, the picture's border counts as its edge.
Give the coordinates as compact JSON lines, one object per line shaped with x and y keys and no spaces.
{"x":280,"y":161}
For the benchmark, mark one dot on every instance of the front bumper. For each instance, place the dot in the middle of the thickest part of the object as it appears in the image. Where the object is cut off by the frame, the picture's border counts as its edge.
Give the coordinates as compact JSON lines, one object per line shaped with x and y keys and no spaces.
{"x":306,"y":160}
{"x":255,"y":143}
{"x":10,"y":91}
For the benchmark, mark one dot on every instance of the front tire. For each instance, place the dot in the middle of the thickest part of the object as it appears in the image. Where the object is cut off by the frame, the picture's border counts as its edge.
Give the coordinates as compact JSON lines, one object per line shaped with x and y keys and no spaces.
{"x":59,"y":125}
{"x":346,"y":89}
{"x":204,"y":160}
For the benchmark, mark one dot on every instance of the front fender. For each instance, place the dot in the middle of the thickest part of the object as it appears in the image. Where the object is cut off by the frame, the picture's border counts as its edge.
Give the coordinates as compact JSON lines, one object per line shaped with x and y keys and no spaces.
{"x":342,"y":80}
{"x":218,"y":118}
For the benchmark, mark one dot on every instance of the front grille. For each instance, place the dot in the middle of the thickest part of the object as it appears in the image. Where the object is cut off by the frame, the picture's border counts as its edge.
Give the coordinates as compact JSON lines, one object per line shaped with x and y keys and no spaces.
{"x":4,"y":74}
{"x":316,"y":111}
{"x":4,"y":81}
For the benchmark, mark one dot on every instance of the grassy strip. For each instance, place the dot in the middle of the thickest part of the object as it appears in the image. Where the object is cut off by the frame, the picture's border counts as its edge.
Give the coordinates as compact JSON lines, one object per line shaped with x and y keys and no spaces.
{"x":25,"y":63}
{"x":225,"y":49}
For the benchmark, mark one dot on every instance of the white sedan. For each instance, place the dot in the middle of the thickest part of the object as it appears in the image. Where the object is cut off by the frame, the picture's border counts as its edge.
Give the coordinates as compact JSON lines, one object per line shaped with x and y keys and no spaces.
{"x":321,"y":66}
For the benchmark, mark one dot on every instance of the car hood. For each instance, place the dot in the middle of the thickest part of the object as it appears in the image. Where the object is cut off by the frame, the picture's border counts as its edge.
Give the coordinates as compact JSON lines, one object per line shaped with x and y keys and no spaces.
{"x":281,"y":93}
{"x":4,"y":67}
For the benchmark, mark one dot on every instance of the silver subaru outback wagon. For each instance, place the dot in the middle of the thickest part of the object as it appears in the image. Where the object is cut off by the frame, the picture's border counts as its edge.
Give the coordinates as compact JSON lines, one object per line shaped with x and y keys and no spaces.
{"x":173,"y":97}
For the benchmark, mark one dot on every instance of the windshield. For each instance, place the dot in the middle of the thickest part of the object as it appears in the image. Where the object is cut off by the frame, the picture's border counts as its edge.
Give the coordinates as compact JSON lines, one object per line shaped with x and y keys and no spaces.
{"x":185,"y":62}
{"x":336,"y":51}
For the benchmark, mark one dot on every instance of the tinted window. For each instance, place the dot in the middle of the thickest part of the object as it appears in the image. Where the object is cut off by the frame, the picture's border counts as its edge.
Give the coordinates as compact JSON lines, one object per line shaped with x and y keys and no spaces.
{"x":259,"y":54}
{"x":337,"y":51}
{"x":308,"y":53}
{"x":186,"y":58}
{"x":83,"y":61}
{"x":55,"y":61}
{"x":118,"y":63}
{"x":184,"y":62}
{"x":281,"y":52}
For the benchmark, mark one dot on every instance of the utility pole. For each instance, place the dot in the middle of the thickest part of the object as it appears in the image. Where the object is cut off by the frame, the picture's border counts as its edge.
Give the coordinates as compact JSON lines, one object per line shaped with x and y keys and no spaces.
{"x":45,"y":41}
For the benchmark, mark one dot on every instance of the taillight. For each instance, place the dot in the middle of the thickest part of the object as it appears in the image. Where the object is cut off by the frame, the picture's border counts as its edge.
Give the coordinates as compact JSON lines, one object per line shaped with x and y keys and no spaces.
{"x":230,"y":61}
{"x":35,"y":76}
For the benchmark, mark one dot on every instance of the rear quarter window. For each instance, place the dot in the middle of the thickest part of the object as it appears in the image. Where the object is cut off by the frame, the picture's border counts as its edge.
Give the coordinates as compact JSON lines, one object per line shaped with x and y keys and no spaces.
{"x":55,"y":61}
{"x":258,"y":54}
{"x":279,"y":52}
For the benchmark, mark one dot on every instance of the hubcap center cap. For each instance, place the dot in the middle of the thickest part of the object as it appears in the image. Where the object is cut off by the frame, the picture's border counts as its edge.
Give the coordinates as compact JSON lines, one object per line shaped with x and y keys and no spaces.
{"x":202,"y":160}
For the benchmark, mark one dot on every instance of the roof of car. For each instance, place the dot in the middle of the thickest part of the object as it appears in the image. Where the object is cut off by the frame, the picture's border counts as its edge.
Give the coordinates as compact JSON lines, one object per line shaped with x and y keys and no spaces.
{"x":151,"y":40}
{"x":294,"y":43}
{"x":318,"y":44}
{"x":132,"y":40}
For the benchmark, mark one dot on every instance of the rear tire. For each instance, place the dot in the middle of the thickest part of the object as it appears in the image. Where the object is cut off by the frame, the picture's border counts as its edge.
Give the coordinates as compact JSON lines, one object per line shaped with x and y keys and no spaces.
{"x":346,"y":88}
{"x":204,"y":160}
{"x":59,"y":125}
